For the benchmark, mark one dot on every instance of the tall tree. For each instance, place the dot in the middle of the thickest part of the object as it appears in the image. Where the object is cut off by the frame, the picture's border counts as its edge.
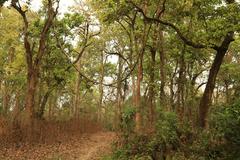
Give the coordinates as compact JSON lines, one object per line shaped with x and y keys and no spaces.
{"x":34,"y":59}
{"x":220,"y":43}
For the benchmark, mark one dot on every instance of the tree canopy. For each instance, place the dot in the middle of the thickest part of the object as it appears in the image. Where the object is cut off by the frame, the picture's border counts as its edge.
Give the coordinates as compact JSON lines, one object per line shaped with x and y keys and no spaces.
{"x":163,"y":74}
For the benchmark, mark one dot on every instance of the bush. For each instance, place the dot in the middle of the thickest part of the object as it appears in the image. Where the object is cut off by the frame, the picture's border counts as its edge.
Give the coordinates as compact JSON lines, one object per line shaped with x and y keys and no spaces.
{"x":127,"y":123}
{"x":147,"y":146}
{"x":221,"y":141}
{"x":167,"y":128}
{"x":225,"y":129}
{"x":226,"y":122}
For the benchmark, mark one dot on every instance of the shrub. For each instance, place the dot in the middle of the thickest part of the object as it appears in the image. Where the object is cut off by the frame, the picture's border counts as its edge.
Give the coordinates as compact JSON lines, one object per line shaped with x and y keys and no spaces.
{"x":221,"y":141}
{"x":147,"y":146}
{"x":127,"y":122}
{"x":225,"y":129}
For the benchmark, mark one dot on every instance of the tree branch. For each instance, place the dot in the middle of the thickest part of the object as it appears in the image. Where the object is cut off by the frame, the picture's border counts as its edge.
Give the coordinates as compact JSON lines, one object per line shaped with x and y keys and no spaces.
{"x":179,"y":33}
{"x":15,"y":4}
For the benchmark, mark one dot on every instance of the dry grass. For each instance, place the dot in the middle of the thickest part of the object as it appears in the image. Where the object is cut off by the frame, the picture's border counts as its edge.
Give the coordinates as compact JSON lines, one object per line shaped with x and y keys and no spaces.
{"x":75,"y":139}
{"x":45,"y":132}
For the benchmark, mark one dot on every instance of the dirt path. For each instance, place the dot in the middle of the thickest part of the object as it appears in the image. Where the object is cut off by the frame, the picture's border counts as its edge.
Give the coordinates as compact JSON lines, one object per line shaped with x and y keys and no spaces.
{"x":87,"y":147}
{"x":96,"y":146}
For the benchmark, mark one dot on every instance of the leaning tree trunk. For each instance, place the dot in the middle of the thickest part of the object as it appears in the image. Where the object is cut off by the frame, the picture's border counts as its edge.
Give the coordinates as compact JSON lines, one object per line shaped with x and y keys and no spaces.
{"x":208,"y":92}
{"x":206,"y":100}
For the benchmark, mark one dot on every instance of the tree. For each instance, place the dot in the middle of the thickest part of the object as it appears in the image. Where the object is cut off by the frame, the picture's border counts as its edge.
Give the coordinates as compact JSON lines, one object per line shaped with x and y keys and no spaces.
{"x":33,"y":58}
{"x":220,"y":42}
{"x":11,"y":60}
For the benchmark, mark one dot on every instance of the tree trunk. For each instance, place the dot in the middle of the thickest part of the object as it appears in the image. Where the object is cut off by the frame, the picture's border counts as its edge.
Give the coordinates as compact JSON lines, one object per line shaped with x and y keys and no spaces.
{"x":131,"y":57}
{"x":16,"y":110}
{"x":180,"y":91}
{"x":141,"y":51}
{"x":172,"y":108}
{"x":118,"y":111}
{"x":77,"y":91}
{"x":99,"y":116}
{"x":138,"y":96}
{"x":30,"y":95}
{"x":208,"y":92}
{"x":34,"y":62}
{"x":162,"y":69}
{"x":42,"y":105}
{"x":227,"y":92}
{"x":6,"y":98}
{"x":151,"y":92}
{"x":172,"y":86}
{"x":51,"y":106}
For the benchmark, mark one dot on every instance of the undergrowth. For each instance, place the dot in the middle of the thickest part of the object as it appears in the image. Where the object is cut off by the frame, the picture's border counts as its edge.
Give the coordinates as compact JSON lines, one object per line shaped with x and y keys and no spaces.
{"x":171,"y":140}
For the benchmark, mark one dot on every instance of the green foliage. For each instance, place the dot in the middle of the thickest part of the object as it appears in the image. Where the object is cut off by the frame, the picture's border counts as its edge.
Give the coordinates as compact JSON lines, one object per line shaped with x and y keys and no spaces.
{"x":2,"y":2}
{"x":110,"y":10}
{"x":72,"y":20}
{"x":220,"y":142}
{"x":137,"y":148}
{"x":127,"y":123}
{"x":166,"y":128}
{"x":121,"y":30}
{"x":147,"y":147}
{"x":225,"y":122}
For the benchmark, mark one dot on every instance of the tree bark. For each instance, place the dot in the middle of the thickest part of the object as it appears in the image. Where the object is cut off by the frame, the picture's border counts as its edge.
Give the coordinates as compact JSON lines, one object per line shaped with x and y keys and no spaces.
{"x":132,"y":52}
{"x":30,"y":95}
{"x":151,"y":92}
{"x":181,"y":85}
{"x":77,"y":91}
{"x":42,"y":105}
{"x":100,"y":102}
{"x":5,"y":98}
{"x":34,"y":64}
{"x":138,"y":95}
{"x":227,"y":92}
{"x":16,"y":110}
{"x":118,"y":110}
{"x":206,"y":99}
{"x":162,"y":69}
{"x":141,"y":51}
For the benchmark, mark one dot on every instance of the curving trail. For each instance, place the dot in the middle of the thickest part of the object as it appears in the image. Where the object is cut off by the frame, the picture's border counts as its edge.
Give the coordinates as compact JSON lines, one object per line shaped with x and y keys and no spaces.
{"x":100,"y":144}
{"x":93,"y":147}
{"x":87,"y":147}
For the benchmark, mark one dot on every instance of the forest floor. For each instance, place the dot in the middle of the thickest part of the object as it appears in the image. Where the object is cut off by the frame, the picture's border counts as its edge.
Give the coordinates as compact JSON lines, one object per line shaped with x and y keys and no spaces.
{"x":89,"y":146}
